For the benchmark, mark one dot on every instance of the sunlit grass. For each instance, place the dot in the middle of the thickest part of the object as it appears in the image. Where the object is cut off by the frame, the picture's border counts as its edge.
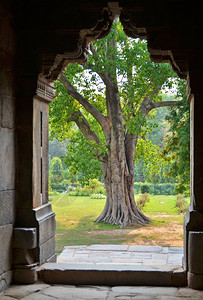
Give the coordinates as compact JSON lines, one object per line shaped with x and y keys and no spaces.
{"x":75,"y":216}
{"x":161,"y":204}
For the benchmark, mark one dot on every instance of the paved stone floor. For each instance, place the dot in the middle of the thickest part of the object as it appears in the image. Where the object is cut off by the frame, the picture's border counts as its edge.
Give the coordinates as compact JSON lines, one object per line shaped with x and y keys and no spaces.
{"x":41,"y":291}
{"x":123,"y":254}
{"x":156,"y":257}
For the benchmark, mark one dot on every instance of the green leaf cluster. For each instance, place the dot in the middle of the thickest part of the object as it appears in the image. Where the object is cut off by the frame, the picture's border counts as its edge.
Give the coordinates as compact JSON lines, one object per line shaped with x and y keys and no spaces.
{"x":127,"y":62}
{"x":177,"y":141}
{"x":81,"y":160}
{"x":56,"y":170}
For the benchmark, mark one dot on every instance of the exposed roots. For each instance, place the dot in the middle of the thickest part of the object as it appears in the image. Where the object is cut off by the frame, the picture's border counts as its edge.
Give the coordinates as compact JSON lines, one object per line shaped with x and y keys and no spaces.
{"x":123,"y":218}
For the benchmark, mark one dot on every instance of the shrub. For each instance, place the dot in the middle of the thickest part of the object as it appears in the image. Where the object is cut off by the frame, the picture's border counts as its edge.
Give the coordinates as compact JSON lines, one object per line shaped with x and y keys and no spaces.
{"x":169,"y":189}
{"x":156,"y":189}
{"x":80,"y":192}
{"x":142,"y":200}
{"x":100,"y":190}
{"x":95,"y":186}
{"x":164,"y":189}
{"x":181,"y":204}
{"x":59,"y":187}
{"x":144,"y":188}
{"x":182,"y":188}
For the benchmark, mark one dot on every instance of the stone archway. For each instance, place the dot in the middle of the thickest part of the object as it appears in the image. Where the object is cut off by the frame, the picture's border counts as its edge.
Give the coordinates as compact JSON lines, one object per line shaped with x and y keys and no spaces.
{"x":41,"y":39}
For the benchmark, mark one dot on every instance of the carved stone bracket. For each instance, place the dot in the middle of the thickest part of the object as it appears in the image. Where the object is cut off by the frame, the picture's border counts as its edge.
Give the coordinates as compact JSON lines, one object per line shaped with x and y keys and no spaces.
{"x":54,"y":66}
{"x":153,"y":36}
{"x":129,"y":26}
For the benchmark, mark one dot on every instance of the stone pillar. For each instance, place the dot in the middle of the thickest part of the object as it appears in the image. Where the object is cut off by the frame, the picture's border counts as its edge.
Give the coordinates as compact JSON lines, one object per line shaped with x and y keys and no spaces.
{"x":195,"y":260}
{"x":193,"y":220}
{"x":35,"y":217}
{"x":7,"y":141}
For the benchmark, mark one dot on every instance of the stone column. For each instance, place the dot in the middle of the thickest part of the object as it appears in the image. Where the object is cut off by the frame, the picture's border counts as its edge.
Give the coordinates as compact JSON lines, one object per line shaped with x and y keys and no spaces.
{"x":193,"y":220}
{"x":7,"y":142}
{"x":35,"y":219}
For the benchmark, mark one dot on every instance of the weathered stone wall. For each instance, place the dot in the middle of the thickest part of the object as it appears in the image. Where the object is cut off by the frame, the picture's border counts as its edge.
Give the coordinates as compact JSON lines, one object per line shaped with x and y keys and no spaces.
{"x":7,"y":146}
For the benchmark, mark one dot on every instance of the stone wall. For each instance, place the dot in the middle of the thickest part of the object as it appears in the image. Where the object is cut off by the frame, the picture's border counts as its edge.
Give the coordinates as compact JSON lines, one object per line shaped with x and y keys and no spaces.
{"x":7,"y":146}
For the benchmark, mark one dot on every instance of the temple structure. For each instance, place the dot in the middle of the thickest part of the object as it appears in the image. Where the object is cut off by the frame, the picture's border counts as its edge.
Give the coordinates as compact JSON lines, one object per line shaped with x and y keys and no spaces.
{"x":37,"y":41}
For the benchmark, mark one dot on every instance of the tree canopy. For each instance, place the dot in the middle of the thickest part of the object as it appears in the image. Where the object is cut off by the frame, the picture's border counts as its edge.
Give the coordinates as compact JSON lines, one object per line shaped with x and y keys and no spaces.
{"x":139,"y":80}
{"x":103,"y":107}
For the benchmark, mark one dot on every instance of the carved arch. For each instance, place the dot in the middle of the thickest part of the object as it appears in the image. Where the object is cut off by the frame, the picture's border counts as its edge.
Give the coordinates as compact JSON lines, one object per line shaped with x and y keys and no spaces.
{"x":157,"y":54}
{"x":53,"y":66}
{"x":136,"y":21}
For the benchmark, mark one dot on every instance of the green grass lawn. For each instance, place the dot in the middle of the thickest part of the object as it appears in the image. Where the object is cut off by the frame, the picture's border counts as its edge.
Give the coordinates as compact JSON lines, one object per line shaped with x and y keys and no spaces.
{"x":75,"y":217}
{"x":161,"y":204}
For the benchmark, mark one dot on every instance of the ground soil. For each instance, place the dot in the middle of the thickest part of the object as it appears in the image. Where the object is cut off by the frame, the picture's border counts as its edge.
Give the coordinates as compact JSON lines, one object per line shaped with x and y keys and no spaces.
{"x":170,"y":234}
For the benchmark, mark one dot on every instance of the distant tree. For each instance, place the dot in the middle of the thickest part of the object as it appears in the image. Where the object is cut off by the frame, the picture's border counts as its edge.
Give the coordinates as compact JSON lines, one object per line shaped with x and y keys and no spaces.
{"x":177,"y":141}
{"x":156,"y":136}
{"x":149,"y":162}
{"x":111,"y":99}
{"x":150,"y":166}
{"x":56,"y":170}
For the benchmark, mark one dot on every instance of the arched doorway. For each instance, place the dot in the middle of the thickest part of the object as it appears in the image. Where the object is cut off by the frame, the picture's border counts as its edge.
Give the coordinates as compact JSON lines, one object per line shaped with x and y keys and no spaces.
{"x":58,"y":42}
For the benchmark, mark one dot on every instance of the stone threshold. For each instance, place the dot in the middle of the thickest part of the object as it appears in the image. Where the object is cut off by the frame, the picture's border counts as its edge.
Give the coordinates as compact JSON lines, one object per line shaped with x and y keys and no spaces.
{"x":115,"y":265}
{"x":111,"y":275}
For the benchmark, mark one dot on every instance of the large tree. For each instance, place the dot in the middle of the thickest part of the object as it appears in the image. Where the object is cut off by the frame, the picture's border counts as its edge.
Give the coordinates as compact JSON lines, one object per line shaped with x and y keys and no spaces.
{"x":110,"y":99}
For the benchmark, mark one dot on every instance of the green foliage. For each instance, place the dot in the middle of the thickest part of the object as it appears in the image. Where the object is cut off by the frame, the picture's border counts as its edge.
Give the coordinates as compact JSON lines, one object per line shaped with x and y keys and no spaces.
{"x":59,"y":187}
{"x":56,"y":171}
{"x":149,"y":162}
{"x":155,"y":189}
{"x":181,"y":204}
{"x":160,"y":129}
{"x":177,"y":142}
{"x":80,"y":192}
{"x":164,"y":189}
{"x":71,"y":179}
{"x":137,"y":187}
{"x":144,"y":188}
{"x":94,"y":185}
{"x":141,"y":202}
{"x":53,"y":193}
{"x":81,"y":159}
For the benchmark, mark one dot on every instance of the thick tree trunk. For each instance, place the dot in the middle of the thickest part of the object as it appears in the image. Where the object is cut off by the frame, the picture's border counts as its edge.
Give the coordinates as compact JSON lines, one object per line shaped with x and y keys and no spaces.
{"x":120,"y":207}
{"x":118,"y":170}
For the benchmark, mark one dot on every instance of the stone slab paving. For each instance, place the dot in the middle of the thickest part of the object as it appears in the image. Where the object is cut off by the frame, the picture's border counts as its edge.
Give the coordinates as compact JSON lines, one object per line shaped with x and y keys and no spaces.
{"x":116,"y":265}
{"x":109,"y":257}
{"x":122,"y":254}
{"x":41,"y":291}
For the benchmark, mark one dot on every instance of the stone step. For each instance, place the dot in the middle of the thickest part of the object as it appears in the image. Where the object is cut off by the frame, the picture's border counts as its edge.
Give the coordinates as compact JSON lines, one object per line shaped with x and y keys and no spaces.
{"x":112,"y":274}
